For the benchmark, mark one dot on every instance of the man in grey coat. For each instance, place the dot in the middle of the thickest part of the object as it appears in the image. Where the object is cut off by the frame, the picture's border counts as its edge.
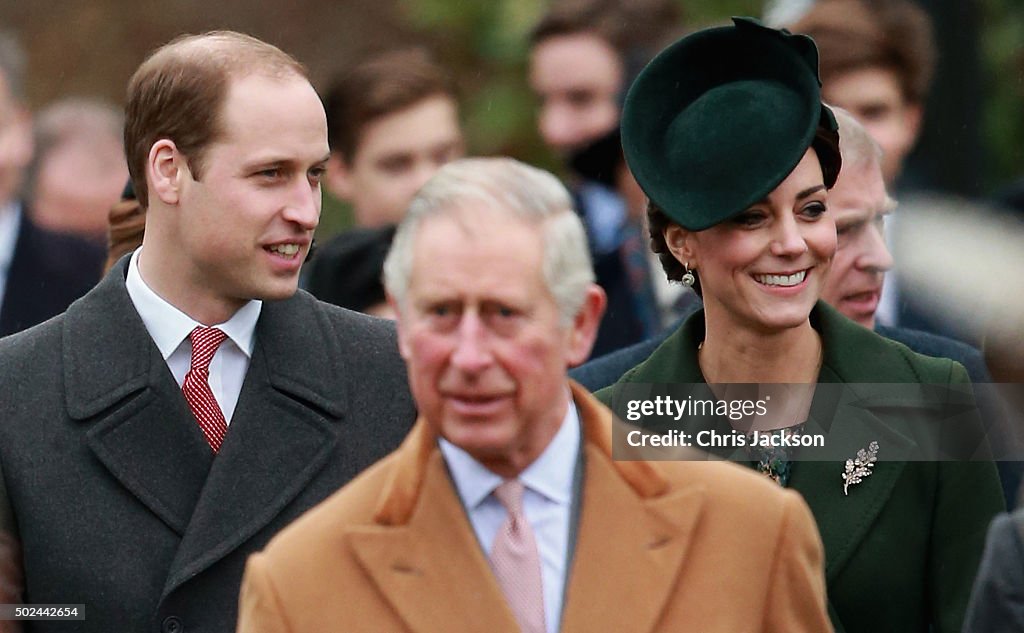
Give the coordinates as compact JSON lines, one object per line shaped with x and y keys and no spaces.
{"x":996,"y":603}
{"x":191,"y":405}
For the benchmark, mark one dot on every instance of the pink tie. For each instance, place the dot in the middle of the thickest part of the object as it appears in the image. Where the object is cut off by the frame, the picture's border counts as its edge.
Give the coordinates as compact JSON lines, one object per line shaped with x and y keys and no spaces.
{"x":205,"y":341}
{"x":516,"y":562}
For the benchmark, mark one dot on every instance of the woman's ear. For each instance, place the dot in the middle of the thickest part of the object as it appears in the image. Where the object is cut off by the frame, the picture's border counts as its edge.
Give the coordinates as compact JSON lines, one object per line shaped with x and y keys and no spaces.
{"x":680,"y":244}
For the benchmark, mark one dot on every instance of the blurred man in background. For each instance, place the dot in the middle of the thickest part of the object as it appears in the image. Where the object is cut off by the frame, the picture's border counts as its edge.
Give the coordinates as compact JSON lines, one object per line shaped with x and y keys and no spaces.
{"x":393,"y":121}
{"x":41,"y":271}
{"x":583,"y":56}
{"x":79,"y":168}
{"x":877,"y":60}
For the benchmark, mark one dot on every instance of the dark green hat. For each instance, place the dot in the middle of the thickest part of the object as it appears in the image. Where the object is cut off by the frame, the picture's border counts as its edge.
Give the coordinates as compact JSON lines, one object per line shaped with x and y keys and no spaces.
{"x":719,"y":119}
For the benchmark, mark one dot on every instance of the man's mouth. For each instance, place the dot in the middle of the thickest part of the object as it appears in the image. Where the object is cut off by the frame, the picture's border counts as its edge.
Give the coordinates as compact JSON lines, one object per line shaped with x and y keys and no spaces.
{"x":783,"y":281}
{"x":288,"y":251}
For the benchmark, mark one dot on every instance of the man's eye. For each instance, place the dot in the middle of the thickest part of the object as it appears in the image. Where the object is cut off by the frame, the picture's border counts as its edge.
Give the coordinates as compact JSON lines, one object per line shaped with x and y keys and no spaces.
{"x":874,"y":112}
{"x":271,"y":173}
{"x":317,"y":173}
{"x":396,"y":166}
{"x":580,"y":98}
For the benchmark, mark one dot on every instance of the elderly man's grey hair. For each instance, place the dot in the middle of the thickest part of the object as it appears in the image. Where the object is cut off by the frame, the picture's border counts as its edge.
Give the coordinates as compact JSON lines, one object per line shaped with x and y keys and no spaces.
{"x":12,"y":65}
{"x":82,"y":119}
{"x":855,"y":144}
{"x":501,"y":185}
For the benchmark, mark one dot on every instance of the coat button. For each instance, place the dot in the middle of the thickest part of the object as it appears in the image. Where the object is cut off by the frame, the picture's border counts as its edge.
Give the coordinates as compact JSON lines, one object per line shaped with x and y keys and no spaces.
{"x":173,"y":625}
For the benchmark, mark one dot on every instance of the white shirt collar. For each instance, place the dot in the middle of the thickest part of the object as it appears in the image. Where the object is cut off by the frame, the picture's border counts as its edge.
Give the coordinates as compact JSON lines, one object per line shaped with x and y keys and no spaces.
{"x":550,"y":475}
{"x":169,"y":326}
{"x":10,"y":222}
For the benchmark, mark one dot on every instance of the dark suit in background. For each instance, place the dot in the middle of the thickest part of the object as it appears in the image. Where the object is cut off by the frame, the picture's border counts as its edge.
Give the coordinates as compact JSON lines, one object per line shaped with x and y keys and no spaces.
{"x":48,"y":271}
{"x":119,"y":503}
{"x":997,"y":603}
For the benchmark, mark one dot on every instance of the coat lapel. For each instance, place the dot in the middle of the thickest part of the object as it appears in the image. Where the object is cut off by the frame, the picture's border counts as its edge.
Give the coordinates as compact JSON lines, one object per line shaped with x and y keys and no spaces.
{"x":631,"y":523}
{"x":844,"y":520}
{"x":852,"y":354}
{"x":137,"y":422}
{"x":423,"y":550}
{"x":281,"y":435}
{"x":422,"y":554}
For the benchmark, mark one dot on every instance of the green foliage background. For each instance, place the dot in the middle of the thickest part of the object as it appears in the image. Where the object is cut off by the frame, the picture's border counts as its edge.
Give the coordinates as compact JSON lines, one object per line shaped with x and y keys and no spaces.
{"x":486,"y":42}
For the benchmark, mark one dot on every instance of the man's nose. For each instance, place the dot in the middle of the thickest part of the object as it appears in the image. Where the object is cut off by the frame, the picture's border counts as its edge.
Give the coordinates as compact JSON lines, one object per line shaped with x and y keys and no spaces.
{"x":471,"y":348}
{"x":304,"y":205}
{"x":875,"y":255}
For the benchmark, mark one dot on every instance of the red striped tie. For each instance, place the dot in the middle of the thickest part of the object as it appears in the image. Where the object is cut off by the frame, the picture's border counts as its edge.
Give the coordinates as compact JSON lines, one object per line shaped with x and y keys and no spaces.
{"x":205,"y":341}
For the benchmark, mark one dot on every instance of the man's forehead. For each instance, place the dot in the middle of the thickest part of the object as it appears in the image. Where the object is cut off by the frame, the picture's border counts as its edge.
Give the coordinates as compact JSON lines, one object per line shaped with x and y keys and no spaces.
{"x":583,"y":58}
{"x":475,"y":219}
{"x":7,"y":102}
{"x":399,"y":133}
{"x":507,"y":244}
{"x":257,"y":108}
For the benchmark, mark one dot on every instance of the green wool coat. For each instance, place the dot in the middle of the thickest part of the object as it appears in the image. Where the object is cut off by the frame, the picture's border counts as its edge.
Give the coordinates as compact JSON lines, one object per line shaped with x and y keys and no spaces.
{"x":903,"y":548}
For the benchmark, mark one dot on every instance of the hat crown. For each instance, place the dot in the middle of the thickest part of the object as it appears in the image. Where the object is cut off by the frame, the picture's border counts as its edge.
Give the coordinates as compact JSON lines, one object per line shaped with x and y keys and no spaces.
{"x":717,"y":120}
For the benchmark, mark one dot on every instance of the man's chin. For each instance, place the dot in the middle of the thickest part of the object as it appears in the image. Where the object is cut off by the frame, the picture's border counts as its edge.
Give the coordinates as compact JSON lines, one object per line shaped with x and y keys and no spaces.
{"x":864,"y":318}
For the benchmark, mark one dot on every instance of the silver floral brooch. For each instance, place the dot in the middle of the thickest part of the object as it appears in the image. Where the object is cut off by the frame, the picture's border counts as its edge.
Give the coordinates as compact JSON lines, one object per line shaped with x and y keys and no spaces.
{"x":860,"y":468}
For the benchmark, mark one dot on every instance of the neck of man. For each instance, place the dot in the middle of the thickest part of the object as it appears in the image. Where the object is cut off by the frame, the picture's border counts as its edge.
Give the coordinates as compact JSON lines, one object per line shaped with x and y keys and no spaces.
{"x":173,"y":279}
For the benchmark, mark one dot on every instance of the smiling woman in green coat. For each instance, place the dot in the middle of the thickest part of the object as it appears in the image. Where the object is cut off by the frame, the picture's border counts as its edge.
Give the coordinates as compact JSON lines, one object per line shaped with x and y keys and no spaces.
{"x":726,"y":134}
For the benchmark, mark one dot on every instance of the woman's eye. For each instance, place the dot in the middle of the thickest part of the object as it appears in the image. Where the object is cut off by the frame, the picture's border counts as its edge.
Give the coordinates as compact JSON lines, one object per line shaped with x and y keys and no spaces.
{"x":748,"y":218}
{"x":815,"y":209}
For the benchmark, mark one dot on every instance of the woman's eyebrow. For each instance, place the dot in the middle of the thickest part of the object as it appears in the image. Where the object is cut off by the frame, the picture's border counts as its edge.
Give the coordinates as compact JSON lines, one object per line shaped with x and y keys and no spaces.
{"x":809,"y":191}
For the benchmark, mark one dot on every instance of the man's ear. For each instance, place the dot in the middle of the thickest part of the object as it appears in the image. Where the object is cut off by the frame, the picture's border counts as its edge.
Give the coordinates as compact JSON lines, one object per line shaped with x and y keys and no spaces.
{"x":20,"y":143}
{"x":584,"y":326}
{"x":913,"y":113}
{"x":339,"y":177}
{"x":165,"y":169}
{"x":680,"y":244}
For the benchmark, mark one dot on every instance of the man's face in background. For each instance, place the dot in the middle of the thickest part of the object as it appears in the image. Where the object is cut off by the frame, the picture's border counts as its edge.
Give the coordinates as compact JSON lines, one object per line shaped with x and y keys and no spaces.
{"x":15,"y":143}
{"x":577,"y":79}
{"x":397,"y":153}
{"x":874,"y":97}
{"x":859,"y":204}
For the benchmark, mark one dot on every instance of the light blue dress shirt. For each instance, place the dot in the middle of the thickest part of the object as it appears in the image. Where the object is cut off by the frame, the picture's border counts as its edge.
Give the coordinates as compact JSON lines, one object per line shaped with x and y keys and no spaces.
{"x":547,"y":503}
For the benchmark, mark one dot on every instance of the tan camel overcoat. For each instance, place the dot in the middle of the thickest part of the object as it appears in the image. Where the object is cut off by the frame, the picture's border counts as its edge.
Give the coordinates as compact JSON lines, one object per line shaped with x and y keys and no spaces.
{"x":660,"y":546}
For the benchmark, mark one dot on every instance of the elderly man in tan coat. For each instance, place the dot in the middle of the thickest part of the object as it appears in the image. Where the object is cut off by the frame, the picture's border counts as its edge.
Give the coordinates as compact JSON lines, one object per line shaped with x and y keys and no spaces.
{"x":503,"y":510}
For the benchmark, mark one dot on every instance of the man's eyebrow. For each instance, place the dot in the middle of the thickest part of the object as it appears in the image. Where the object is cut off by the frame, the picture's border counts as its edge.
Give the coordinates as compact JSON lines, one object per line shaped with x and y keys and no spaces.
{"x":277,"y":161}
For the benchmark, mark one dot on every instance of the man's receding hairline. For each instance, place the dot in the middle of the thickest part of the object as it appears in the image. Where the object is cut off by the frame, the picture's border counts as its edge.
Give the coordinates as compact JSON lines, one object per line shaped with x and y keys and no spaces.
{"x":239,"y":55}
